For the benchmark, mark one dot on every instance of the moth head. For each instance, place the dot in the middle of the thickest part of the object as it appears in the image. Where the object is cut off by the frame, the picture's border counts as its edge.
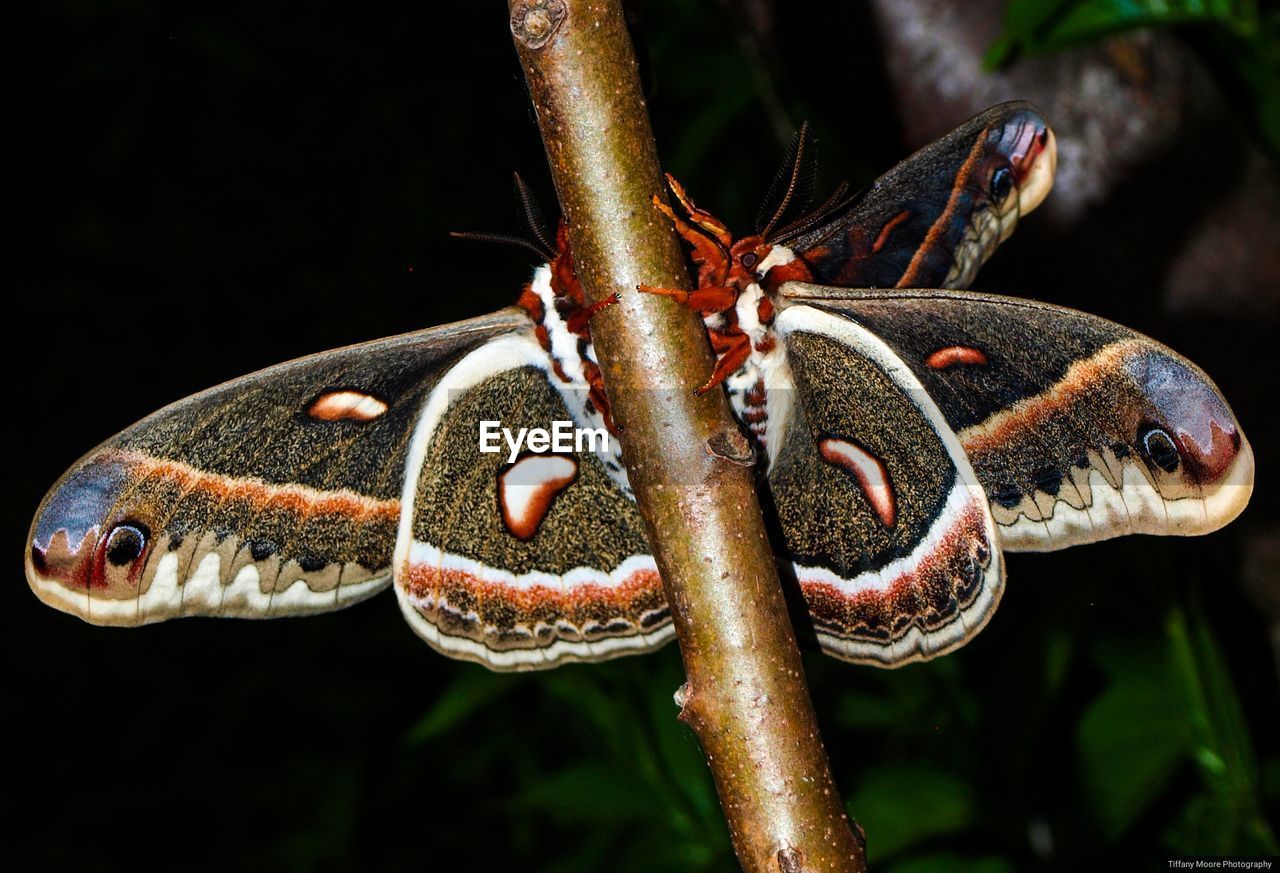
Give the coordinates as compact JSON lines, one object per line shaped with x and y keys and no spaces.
{"x":1187,"y":435}
{"x":748,"y":260}
{"x":86,"y":540}
{"x":1018,"y":174}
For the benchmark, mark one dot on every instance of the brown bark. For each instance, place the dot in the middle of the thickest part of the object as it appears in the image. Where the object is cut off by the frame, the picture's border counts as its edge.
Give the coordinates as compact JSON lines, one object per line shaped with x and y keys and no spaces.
{"x":689,"y":465}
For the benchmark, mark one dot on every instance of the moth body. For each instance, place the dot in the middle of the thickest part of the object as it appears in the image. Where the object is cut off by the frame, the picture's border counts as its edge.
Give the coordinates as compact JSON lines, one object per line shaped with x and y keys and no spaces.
{"x":760,"y":391}
{"x":573,"y":358}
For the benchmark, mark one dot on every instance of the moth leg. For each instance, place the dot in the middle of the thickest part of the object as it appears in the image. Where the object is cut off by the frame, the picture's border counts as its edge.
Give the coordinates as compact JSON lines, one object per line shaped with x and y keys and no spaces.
{"x":599,"y":399}
{"x":564,"y":279}
{"x":707,"y":300}
{"x":580,"y":320}
{"x":709,"y":254}
{"x":701,"y":217}
{"x":732,"y":350}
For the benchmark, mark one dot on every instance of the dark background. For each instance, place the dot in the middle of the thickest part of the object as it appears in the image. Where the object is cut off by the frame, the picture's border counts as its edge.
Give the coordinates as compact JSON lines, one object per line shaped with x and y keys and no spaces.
{"x":203,"y":190}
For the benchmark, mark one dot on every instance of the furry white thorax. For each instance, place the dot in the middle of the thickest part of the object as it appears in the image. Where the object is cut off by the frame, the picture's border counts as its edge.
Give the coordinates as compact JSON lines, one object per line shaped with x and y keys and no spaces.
{"x":768,"y":368}
{"x":565,"y":346}
{"x":570,"y":351}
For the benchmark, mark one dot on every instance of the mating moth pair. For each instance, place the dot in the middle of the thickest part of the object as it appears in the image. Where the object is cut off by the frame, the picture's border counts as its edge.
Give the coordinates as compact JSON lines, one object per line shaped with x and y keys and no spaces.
{"x":907,"y":438}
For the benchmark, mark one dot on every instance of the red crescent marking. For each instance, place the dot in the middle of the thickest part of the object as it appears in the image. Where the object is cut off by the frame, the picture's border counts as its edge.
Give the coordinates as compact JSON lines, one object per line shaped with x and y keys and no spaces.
{"x":951,"y":356}
{"x":888,"y":228}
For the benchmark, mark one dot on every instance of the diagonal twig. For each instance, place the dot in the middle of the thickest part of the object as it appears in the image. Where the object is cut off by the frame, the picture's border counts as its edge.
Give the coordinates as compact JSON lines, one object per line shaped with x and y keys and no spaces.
{"x":690,"y":467}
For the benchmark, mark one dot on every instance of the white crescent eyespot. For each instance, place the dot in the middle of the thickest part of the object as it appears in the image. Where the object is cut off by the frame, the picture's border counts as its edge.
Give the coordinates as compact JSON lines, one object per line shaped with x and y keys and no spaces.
{"x":869,"y":472}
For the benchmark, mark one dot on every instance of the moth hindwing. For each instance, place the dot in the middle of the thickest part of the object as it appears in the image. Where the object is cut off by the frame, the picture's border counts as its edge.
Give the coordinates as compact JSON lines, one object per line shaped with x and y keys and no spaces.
{"x":890,"y":537}
{"x":528,"y":559}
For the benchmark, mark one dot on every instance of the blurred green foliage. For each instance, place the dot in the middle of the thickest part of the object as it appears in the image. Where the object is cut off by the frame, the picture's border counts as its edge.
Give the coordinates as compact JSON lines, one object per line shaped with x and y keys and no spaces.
{"x":1242,"y":36}
{"x":1108,"y":742}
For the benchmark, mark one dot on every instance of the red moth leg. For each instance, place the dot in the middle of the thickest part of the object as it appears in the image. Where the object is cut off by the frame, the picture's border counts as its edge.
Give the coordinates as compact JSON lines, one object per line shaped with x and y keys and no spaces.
{"x":706,"y":301}
{"x":579,"y":322}
{"x":598,"y":396}
{"x":732,"y":351}
{"x":711,"y":257}
{"x":703,"y":219}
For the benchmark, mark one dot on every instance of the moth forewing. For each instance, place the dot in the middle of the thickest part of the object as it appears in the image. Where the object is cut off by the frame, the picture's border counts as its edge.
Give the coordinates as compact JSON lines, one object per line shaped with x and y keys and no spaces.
{"x":1079,"y":429}
{"x":936,"y":217}
{"x":273,"y":494}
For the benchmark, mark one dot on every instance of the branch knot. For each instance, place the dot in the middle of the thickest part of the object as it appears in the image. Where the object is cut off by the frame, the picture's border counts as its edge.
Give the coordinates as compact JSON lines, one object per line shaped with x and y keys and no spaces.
{"x":730,"y":445}
{"x":534,"y":22}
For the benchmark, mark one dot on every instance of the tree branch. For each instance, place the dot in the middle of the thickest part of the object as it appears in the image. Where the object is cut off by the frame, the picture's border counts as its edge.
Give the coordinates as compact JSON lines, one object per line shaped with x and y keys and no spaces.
{"x":689,"y":465}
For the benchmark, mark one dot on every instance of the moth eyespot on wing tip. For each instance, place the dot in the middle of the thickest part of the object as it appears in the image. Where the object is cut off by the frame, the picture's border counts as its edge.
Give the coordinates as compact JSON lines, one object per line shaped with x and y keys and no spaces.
{"x":346,"y":405}
{"x":1161,"y":449}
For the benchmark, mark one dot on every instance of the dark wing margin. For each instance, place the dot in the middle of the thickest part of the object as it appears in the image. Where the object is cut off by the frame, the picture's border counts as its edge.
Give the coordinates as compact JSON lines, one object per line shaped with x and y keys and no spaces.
{"x":1079,"y":429}
{"x":888,"y":530}
{"x":273,"y":494}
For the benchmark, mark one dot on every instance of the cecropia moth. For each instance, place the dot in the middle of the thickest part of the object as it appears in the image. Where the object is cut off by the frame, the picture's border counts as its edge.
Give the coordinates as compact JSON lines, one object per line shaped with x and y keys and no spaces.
{"x":907,"y":438}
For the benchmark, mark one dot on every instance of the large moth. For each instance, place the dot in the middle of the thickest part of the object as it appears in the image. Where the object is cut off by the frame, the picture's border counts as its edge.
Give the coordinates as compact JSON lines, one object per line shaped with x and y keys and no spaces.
{"x":907,"y":438}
